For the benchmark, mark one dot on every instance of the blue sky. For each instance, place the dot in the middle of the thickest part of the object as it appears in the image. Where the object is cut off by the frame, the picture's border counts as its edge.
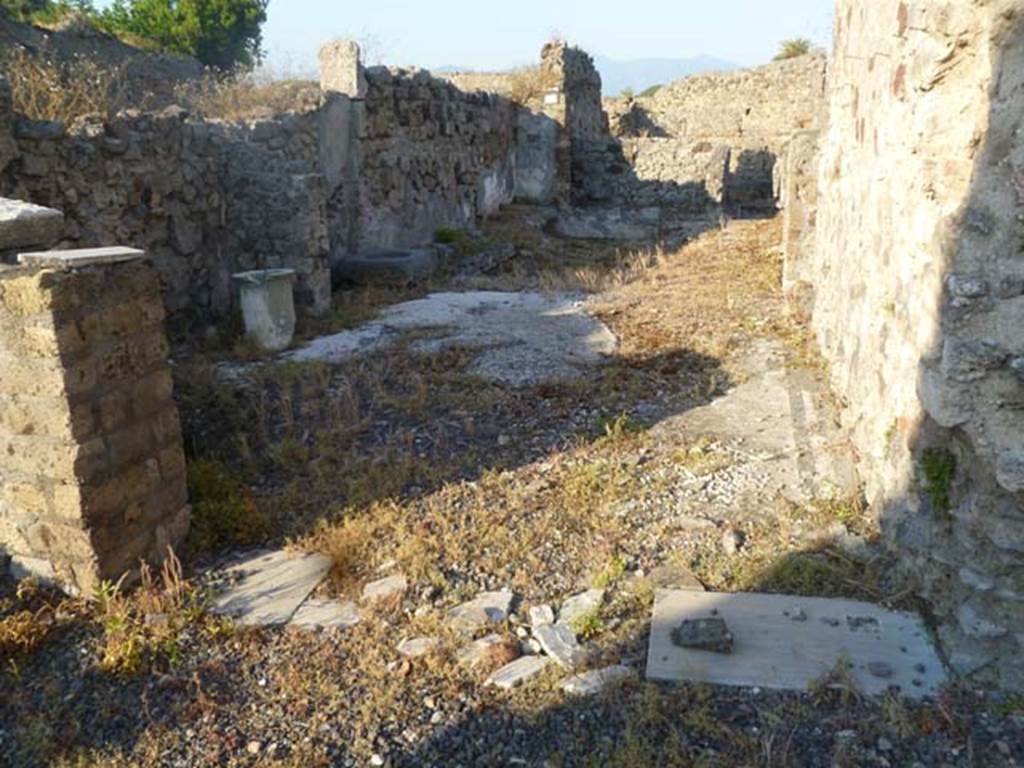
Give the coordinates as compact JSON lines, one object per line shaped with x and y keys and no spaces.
{"x":498,"y":35}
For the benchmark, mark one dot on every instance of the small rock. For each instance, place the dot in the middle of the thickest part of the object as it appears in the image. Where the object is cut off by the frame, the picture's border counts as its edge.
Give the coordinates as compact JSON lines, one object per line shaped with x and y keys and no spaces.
{"x":520,"y":671}
{"x":594,"y":681}
{"x":733,"y":541}
{"x":704,"y":635}
{"x":376,"y":759}
{"x":880,"y":669}
{"x":382,"y":589}
{"x":1003,"y":748}
{"x":253,"y":747}
{"x":541,"y":614}
{"x":884,"y":745}
{"x":580,"y":606}
{"x":504,"y":441}
{"x":796,"y":614}
{"x":486,"y":608}
{"x":418,"y":646}
{"x":479,"y":650}
{"x":559,"y":642}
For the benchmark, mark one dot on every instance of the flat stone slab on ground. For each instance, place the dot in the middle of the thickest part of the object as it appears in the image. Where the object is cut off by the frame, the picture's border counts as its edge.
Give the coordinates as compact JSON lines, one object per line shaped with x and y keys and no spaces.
{"x":384,"y":588}
{"x":596,"y":680}
{"x":267,"y":588}
{"x":771,"y":650}
{"x":326,"y":614}
{"x":523,"y":338}
{"x":486,"y":608}
{"x":520,"y":671}
{"x":581,"y":606}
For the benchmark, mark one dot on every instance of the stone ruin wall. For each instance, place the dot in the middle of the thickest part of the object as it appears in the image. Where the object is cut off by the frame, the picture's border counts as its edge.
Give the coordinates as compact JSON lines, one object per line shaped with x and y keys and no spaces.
{"x":917,"y":281}
{"x":717,"y":138}
{"x":203,"y":199}
{"x":93,"y":475}
{"x":431,"y":156}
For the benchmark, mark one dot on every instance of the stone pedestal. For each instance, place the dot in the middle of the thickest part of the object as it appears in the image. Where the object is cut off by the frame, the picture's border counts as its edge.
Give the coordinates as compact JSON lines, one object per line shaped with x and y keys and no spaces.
{"x":92,"y":470}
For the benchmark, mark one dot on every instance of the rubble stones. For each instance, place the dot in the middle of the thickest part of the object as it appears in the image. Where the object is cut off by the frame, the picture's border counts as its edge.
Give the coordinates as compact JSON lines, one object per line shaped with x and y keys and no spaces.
{"x":485,"y":609}
{"x":581,"y":606}
{"x":710,"y":634}
{"x":559,"y":642}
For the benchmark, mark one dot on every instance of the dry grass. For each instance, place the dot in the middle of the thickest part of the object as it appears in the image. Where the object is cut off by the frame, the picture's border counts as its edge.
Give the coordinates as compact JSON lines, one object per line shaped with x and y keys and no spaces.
{"x":248,"y":96}
{"x":44,"y":89}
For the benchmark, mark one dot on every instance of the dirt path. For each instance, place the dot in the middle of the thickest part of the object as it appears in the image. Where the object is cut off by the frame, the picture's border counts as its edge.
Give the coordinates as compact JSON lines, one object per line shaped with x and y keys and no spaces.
{"x":706,"y":448}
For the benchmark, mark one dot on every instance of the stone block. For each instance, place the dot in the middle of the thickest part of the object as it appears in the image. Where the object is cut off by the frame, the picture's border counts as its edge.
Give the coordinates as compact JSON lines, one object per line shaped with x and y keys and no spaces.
{"x":78,"y":258}
{"x":24,"y":224}
{"x":341,"y":69}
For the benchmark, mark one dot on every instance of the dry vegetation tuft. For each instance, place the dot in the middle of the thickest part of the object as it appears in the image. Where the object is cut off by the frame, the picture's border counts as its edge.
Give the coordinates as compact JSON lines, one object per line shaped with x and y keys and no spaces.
{"x":44,"y":89}
{"x":528,"y":84}
{"x":248,"y":96}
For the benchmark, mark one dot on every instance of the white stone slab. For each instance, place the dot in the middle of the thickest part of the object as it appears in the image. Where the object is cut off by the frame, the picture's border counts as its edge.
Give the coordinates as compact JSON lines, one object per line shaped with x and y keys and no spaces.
{"x":267,"y":588}
{"x":541,"y":614}
{"x":326,"y":614}
{"x":518,"y":672}
{"x":81,"y":257}
{"x":772,"y":650}
{"x":384,"y":588}
{"x":596,"y":680}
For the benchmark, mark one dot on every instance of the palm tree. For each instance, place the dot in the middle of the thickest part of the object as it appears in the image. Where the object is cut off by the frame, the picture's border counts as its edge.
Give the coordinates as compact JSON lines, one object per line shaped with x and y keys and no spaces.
{"x":790,"y":49}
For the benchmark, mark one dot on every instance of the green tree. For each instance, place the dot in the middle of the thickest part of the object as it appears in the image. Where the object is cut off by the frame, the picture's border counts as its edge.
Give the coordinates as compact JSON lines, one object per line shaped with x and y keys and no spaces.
{"x":220,"y":33}
{"x":792,"y":48}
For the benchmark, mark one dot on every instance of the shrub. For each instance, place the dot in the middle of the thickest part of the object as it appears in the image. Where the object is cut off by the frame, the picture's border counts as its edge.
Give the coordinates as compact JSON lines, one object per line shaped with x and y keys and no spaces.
{"x":939,"y":468}
{"x":247,"y":95}
{"x":44,"y":89}
{"x":223,"y":34}
{"x":793,"y":48}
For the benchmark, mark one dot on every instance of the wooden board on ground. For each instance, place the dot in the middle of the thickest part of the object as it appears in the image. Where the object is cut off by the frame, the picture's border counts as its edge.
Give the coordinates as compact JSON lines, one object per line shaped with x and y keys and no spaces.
{"x":789,"y":642}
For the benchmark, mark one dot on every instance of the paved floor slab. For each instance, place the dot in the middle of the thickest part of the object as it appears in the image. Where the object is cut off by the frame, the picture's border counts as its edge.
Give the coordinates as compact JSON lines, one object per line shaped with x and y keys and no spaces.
{"x":267,"y":588}
{"x":789,"y":642}
{"x":523,"y":338}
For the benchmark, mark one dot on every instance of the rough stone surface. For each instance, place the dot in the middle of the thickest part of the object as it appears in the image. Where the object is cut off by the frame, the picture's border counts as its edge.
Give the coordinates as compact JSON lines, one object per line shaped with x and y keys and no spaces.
{"x":519,"y":672}
{"x":418,"y":646}
{"x":341,"y":69}
{"x":704,"y":634}
{"x":918,"y":229}
{"x":93,"y":474}
{"x":24,"y":225}
{"x":267,"y":588}
{"x":541,"y":615}
{"x":478,"y":651}
{"x":524,"y":338}
{"x":559,"y":642}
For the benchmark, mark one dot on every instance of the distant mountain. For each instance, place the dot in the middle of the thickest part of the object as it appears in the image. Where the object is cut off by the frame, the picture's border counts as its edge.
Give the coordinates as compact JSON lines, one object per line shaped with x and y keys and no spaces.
{"x":641,"y":74}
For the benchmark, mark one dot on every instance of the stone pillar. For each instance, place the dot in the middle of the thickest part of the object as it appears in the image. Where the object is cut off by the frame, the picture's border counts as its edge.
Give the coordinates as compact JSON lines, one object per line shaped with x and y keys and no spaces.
{"x":92,"y":469}
{"x":341,"y":69}
{"x":798,"y":195}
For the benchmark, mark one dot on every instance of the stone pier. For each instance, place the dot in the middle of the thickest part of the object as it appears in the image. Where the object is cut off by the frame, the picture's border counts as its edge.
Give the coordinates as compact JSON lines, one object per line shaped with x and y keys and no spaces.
{"x":92,"y":470}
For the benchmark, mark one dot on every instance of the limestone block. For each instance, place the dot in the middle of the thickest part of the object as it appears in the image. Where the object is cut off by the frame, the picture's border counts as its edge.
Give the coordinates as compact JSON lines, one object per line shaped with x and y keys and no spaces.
{"x":24,"y":224}
{"x":341,"y":69}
